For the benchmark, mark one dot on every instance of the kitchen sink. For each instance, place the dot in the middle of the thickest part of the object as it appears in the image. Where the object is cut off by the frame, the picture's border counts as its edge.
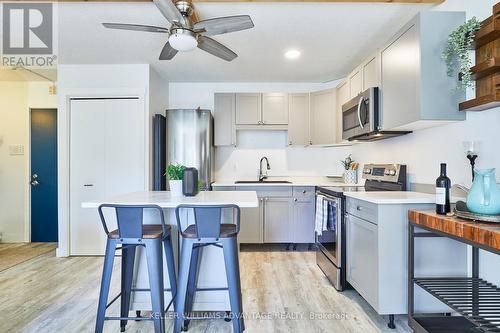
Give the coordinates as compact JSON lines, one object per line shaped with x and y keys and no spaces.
{"x":262,"y":182}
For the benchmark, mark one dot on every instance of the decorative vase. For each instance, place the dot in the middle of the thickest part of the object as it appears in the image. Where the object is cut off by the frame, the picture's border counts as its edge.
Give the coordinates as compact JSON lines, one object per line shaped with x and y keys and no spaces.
{"x":350,"y":176}
{"x":175,"y":188}
{"x":484,"y":195}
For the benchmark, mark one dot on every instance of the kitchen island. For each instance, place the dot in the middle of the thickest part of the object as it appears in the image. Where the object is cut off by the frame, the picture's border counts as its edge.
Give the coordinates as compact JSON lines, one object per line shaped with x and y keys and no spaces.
{"x":212,"y":273}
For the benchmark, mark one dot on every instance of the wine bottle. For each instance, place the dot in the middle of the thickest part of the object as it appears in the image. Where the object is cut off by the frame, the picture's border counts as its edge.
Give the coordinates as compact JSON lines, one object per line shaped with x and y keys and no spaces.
{"x":443,"y":185}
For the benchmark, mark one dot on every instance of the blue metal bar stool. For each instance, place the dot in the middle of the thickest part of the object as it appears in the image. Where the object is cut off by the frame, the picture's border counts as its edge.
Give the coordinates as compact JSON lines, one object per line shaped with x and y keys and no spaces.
{"x":131,"y":233}
{"x":208,"y":230}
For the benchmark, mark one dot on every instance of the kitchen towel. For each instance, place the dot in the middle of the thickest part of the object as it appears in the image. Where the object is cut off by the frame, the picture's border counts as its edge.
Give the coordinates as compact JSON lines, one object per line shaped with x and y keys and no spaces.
{"x":332,"y":216}
{"x":320,"y":224}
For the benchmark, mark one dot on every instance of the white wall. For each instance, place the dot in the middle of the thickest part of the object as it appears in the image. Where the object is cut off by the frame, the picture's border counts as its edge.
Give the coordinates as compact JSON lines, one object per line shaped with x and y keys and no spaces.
{"x":242,"y":161}
{"x":16,"y":98}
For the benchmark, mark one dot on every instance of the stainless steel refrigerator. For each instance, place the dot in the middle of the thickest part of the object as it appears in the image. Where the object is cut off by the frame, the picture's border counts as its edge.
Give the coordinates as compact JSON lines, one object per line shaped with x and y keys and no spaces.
{"x":188,"y":141}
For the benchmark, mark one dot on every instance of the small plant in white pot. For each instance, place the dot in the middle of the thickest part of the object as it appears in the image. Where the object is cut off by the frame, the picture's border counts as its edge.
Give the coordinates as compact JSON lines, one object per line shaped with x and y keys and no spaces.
{"x":351,"y":170}
{"x":175,"y":174}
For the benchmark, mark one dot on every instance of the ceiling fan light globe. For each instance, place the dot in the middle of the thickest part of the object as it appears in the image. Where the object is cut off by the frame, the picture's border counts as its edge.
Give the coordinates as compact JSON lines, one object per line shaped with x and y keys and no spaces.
{"x":182,"y":41}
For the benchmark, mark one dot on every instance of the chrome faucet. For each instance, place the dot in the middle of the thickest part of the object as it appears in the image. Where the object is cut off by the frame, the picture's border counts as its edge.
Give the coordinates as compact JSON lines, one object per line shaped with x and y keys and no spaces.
{"x":263,"y":175}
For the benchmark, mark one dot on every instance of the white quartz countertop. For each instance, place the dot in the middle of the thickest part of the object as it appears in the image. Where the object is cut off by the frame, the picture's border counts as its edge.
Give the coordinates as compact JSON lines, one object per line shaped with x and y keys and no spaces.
{"x":396,"y":197}
{"x":294,"y":181}
{"x":165,"y":200}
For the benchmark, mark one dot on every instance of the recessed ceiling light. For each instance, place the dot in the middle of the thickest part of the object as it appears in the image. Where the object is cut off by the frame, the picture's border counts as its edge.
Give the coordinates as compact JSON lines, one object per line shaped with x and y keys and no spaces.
{"x":292,"y":54}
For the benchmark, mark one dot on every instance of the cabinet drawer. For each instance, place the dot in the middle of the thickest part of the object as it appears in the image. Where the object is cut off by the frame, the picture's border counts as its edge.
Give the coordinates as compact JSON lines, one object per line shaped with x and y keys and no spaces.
{"x":268,"y":191}
{"x":362,"y":209}
{"x":303,"y":192}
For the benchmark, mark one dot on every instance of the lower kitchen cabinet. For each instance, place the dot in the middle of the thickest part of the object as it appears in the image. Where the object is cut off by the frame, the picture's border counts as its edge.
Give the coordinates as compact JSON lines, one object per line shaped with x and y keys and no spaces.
{"x":303,"y":220}
{"x":285,"y":214}
{"x":377,"y":256}
{"x":362,"y":266}
{"x":277,"y":220}
{"x":251,"y":224}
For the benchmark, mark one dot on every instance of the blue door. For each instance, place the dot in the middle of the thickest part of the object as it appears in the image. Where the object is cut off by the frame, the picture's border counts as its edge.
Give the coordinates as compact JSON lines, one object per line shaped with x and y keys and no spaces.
{"x":43,"y":175}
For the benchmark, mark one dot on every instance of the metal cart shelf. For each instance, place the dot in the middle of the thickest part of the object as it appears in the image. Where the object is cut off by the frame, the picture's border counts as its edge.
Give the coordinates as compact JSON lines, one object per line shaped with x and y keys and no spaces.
{"x":476,"y":301}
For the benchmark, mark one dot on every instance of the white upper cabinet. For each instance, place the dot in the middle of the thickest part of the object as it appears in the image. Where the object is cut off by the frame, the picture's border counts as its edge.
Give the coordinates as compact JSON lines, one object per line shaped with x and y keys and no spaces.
{"x":298,"y":119}
{"x":248,"y":108}
{"x":323,"y":117}
{"x":370,"y":73}
{"x":342,"y":97}
{"x":275,"y":109}
{"x":224,"y":112}
{"x":415,"y":90}
{"x":356,"y":82}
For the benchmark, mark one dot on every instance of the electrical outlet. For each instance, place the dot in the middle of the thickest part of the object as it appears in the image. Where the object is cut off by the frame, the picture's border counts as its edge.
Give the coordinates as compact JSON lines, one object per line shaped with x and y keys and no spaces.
{"x":16,"y":150}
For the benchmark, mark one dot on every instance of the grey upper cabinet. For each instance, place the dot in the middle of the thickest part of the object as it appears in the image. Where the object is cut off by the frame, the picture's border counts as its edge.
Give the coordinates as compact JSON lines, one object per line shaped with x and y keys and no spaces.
{"x":342,"y":97}
{"x":369,"y":71}
{"x":274,"y":109}
{"x":224,"y":112}
{"x":277,"y":220}
{"x":323,"y":117}
{"x":298,"y":119}
{"x":356,"y":82}
{"x":415,"y":90}
{"x":248,"y":108}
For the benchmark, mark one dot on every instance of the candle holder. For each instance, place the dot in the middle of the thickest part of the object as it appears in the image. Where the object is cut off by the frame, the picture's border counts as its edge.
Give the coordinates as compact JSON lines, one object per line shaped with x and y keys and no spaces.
{"x":471,"y":151}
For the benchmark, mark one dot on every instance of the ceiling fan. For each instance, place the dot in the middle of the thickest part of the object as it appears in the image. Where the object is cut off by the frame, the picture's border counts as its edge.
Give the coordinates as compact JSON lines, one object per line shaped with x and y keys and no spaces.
{"x":186,"y":35}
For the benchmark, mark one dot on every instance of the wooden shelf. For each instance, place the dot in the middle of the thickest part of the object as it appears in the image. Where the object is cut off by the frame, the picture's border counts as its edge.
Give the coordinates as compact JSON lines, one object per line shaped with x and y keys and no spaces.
{"x":480,"y":103}
{"x":486,"y":72}
{"x":489,"y":31}
{"x":485,"y":68}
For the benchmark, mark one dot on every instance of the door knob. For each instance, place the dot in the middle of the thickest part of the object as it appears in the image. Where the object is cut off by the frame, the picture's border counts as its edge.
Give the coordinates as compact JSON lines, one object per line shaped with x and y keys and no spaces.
{"x":34,"y":182}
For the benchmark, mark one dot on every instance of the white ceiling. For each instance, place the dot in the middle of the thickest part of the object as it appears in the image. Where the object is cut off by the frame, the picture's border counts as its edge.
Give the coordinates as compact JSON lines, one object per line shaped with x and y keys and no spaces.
{"x":333,"y":38}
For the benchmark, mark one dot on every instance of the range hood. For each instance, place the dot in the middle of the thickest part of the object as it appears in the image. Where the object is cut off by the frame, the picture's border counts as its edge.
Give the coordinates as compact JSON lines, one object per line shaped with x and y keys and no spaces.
{"x":377,"y":135}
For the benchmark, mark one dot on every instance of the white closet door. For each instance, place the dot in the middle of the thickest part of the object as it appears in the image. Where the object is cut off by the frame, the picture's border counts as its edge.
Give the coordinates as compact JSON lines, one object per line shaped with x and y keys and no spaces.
{"x":107,"y":158}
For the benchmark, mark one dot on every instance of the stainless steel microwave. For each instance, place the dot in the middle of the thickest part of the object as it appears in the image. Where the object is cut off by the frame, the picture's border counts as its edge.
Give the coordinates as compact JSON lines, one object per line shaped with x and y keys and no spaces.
{"x":360,"y":115}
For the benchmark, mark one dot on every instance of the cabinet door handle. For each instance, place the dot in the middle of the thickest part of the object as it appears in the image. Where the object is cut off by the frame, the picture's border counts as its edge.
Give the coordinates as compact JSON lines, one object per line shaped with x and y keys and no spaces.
{"x":304,"y":192}
{"x":295,"y":199}
{"x":359,"y":208}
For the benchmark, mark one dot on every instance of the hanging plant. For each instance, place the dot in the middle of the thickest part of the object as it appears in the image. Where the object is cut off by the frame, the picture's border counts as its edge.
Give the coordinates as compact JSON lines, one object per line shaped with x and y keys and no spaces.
{"x":457,"y":53}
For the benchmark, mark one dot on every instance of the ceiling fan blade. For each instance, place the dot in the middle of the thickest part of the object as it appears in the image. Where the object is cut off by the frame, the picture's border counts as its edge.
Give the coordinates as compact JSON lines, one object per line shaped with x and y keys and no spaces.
{"x":169,"y":10}
{"x":168,"y":52}
{"x":223,"y":25}
{"x":215,"y":48}
{"x":135,"y":27}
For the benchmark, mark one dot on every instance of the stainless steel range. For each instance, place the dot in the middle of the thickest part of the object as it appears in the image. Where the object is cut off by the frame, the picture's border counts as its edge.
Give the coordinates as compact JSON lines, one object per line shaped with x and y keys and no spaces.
{"x":331,"y":255}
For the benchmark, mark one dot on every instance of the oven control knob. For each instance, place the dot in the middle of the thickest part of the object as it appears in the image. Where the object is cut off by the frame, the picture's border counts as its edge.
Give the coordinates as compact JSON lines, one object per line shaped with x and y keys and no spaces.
{"x":367,"y":171}
{"x":393,"y":172}
{"x":387,"y":172}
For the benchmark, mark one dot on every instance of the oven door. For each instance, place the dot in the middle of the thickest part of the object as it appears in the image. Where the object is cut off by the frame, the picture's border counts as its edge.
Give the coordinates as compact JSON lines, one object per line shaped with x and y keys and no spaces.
{"x":330,"y":240}
{"x":360,"y":114}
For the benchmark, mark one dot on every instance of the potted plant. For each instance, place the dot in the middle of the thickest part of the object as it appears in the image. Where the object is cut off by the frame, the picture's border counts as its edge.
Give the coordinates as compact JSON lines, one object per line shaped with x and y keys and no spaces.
{"x":457,"y":53}
{"x":350,"y":170}
{"x":175,"y":173}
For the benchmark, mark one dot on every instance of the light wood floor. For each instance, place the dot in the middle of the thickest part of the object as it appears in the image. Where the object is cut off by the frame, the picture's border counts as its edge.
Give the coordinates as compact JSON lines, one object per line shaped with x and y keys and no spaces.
{"x":49,"y":294}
